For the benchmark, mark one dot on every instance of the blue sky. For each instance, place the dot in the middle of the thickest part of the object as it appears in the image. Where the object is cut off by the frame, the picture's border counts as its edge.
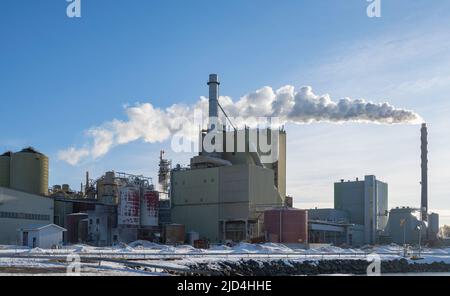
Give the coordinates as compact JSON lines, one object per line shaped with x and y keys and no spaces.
{"x":59,"y":77}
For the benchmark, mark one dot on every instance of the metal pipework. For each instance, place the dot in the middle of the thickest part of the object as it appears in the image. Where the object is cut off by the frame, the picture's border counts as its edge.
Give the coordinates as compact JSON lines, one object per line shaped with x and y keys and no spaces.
{"x":424,"y":165}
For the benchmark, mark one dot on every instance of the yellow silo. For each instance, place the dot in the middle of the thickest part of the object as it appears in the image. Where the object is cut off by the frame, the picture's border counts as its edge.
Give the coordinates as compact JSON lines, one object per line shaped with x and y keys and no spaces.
{"x":29,"y":171}
{"x":5,"y":160}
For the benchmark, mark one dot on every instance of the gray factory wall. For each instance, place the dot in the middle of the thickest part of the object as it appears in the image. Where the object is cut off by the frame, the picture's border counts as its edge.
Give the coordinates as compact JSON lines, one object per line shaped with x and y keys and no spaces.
{"x":234,"y":192}
{"x":62,"y":209}
{"x":382,"y":202}
{"x":195,"y":201}
{"x":356,"y":235}
{"x":263,"y":194}
{"x":20,"y":209}
{"x":349,"y":196}
{"x":100,"y":228}
{"x":201,"y":198}
{"x":246,"y":189}
{"x":278,"y":148}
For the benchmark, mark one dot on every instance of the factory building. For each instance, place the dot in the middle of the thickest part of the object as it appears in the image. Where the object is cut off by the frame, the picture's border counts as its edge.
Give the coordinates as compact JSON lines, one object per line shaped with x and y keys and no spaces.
{"x":86,"y":221}
{"x":117,"y":207}
{"x":67,"y":206}
{"x":231,"y":186}
{"x":366,"y":202}
{"x":102,"y":227}
{"x":331,"y":226}
{"x":231,"y":198}
{"x":286,"y":225}
{"x":404,"y":226}
{"x":20,"y":209}
{"x":23,"y":193}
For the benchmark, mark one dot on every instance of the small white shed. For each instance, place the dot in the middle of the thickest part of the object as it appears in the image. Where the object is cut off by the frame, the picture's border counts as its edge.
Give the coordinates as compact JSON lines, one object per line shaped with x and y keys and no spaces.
{"x":42,"y":236}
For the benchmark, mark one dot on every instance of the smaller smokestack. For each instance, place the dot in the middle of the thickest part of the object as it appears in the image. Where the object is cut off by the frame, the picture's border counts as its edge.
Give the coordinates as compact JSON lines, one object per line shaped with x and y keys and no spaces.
{"x":424,"y":166}
{"x":213,"y":100}
{"x":86,"y":186}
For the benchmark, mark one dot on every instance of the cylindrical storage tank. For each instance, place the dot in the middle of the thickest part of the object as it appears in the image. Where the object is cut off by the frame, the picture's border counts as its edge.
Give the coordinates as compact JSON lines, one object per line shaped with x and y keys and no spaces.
{"x":433,"y":226}
{"x":107,"y":188}
{"x":286,"y":225}
{"x":129,"y":207}
{"x":149,"y":208}
{"x":5,"y":161}
{"x":29,"y":171}
{"x":110,"y":177}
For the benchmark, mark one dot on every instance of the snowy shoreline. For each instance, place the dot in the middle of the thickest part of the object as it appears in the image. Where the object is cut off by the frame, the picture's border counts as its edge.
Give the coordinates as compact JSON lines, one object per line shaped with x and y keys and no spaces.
{"x":242,"y":259}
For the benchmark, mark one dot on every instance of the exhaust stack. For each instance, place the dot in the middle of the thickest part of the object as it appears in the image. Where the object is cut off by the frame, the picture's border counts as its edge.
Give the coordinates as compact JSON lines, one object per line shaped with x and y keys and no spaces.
{"x":424,"y":182}
{"x":213,"y":101}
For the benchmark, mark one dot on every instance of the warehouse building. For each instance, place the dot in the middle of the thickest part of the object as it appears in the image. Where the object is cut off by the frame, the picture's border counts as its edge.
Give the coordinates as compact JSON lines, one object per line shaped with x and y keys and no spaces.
{"x":19,"y":209}
{"x":366,"y":202}
{"x":23,"y":193}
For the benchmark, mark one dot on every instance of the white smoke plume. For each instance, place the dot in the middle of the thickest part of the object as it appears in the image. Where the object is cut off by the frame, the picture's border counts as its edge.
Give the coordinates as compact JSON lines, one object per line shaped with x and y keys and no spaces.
{"x":149,"y":124}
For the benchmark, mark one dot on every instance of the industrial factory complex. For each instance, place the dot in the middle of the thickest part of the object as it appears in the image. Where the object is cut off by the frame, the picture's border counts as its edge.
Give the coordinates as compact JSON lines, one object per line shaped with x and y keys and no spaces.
{"x":228,"y":194}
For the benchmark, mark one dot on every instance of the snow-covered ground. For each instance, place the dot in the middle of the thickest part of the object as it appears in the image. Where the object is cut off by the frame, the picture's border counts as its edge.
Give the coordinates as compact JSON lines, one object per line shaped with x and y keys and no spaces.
{"x":14,"y":259}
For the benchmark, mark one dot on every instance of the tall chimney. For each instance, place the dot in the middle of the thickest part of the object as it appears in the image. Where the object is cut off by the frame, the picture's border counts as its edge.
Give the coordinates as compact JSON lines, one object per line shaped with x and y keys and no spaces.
{"x":424,"y":183}
{"x":86,"y":187}
{"x":213,"y":100}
